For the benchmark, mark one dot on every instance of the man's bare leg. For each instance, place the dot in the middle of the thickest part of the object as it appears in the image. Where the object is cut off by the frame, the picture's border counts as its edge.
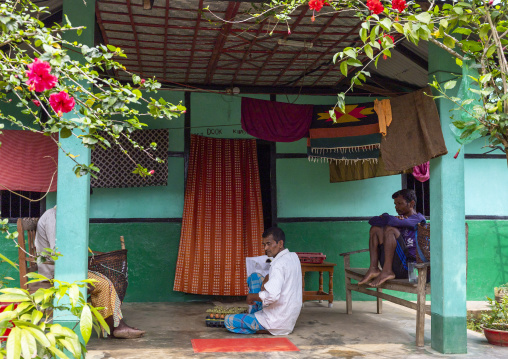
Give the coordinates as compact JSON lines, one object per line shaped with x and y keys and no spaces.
{"x":375,"y":239}
{"x":390,"y":243}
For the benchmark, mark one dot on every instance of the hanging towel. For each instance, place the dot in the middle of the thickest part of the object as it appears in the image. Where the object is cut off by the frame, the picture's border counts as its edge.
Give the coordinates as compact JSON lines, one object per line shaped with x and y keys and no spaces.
{"x":415,"y":134}
{"x":422,"y":172}
{"x":353,"y":137}
{"x":383,"y":109}
{"x":341,"y":171}
{"x":275,"y":121}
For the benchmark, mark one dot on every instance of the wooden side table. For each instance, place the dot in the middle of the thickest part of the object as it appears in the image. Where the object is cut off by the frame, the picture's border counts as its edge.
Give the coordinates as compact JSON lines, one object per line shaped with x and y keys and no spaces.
{"x":319,"y":294}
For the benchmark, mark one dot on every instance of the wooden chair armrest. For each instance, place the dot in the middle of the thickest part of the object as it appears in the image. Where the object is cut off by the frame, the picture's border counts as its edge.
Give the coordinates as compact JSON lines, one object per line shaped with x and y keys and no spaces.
{"x":422,"y":265}
{"x":97,"y":253}
{"x":353,"y":252}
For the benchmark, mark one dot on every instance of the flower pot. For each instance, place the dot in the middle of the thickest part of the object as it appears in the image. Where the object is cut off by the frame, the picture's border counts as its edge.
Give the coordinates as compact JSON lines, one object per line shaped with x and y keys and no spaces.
{"x":496,"y":337}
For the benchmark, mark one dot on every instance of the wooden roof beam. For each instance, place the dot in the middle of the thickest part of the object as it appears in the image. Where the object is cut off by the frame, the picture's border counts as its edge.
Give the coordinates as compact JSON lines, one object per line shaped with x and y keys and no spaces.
{"x":231,"y":12}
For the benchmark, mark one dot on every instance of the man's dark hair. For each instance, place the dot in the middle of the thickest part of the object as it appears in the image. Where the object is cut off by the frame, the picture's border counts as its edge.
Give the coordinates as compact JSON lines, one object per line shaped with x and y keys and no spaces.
{"x":408,"y":194}
{"x":277,"y":233}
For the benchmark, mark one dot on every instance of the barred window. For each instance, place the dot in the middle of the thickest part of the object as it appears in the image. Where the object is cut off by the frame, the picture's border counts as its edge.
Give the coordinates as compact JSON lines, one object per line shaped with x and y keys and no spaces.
{"x":422,"y":193}
{"x":13,"y":206}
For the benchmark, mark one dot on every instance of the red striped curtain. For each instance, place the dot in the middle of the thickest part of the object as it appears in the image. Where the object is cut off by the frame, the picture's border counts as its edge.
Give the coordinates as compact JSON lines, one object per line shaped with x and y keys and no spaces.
{"x":222,"y":219}
{"x":28,"y":161}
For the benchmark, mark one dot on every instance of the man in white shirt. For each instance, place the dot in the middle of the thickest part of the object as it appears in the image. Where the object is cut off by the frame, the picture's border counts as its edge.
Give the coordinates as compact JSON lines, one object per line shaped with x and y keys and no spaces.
{"x":277,"y":298}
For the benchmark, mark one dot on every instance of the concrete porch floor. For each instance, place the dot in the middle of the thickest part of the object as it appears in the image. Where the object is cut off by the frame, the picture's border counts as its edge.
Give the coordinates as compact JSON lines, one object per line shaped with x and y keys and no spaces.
{"x":320,"y":332}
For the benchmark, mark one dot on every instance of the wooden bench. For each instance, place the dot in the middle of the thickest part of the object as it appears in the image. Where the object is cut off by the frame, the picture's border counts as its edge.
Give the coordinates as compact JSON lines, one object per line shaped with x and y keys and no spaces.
{"x":421,"y":289}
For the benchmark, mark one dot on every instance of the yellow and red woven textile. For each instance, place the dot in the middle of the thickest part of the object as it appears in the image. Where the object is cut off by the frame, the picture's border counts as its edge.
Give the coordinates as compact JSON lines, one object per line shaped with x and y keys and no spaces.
{"x":222,"y":218}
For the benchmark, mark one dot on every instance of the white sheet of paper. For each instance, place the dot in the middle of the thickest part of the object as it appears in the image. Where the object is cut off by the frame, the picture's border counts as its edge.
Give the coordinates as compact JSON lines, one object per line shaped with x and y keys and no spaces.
{"x":257,"y":265}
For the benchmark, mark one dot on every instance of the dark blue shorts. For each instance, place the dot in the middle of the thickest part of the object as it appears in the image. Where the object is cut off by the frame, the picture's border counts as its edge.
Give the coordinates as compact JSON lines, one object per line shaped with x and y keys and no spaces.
{"x":400,"y":258}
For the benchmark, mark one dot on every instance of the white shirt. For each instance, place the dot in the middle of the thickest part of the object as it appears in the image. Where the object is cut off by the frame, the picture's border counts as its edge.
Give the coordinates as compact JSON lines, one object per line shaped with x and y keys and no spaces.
{"x":45,"y":237}
{"x":282,"y":297}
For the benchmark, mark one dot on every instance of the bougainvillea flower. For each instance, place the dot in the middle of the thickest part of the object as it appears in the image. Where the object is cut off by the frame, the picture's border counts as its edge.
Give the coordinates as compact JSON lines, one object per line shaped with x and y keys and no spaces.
{"x":36,"y":103}
{"x":375,"y":6}
{"x":61,"y":102}
{"x":39,"y":77}
{"x":399,"y":5}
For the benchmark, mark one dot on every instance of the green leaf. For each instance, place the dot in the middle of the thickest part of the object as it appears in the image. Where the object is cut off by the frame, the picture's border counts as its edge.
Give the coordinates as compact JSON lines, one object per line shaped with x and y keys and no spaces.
{"x":463,"y":31}
{"x":491,"y":51}
{"x":59,"y":354}
{"x":137,"y":93}
{"x":74,"y":294}
{"x":459,"y":124}
{"x":39,"y":336}
{"x":350,"y":52}
{"x":449,"y":85}
{"x":398,"y":27}
{"x":100,"y":319}
{"x":458,"y":10}
{"x":485,"y":78}
{"x":13,"y":298}
{"x":6,"y":316}
{"x":458,"y":61}
{"x":5,"y":259}
{"x":85,"y":324}
{"x":363,"y":34}
{"x":65,"y":132}
{"x":386,"y":24}
{"x":368,"y":51}
{"x":449,"y":42}
{"x":14,"y":344}
{"x":343,"y":68}
{"x":443,"y":23}
{"x":36,"y":316}
{"x":28,"y":345}
{"x":424,"y":17}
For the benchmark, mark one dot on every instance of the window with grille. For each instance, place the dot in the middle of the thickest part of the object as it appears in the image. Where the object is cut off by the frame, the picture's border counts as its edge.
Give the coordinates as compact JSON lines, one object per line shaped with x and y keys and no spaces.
{"x":13,"y":206}
{"x":422,"y":193}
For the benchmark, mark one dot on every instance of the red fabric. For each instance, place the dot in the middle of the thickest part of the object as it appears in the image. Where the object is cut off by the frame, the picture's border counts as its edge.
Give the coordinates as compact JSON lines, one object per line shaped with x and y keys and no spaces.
{"x":275,"y":121}
{"x":243,"y":345}
{"x":28,"y":161}
{"x":422,"y":172}
{"x":222,"y":217}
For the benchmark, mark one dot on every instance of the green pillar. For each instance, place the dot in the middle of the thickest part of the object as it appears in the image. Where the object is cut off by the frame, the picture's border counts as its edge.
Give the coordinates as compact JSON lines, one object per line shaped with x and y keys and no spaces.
{"x":447,"y":217}
{"x":73,"y":194}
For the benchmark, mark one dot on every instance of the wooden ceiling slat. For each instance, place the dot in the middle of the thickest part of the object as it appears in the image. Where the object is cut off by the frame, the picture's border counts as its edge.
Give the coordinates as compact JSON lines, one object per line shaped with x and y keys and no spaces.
{"x":134,"y":32}
{"x":248,"y":51}
{"x":166,"y":17}
{"x":221,"y":40}
{"x":194,"y":40}
{"x":318,"y":34}
{"x":292,"y":28}
{"x":332,"y":49}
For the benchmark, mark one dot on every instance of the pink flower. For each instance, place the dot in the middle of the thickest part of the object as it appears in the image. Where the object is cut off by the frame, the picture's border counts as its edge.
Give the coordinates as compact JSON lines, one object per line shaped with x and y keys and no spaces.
{"x":61,"y":102}
{"x":39,"y":78}
{"x":457,"y":154}
{"x":36,"y":103}
{"x":143,"y":81}
{"x":151,"y":172}
{"x":399,"y":5}
{"x":375,"y":6}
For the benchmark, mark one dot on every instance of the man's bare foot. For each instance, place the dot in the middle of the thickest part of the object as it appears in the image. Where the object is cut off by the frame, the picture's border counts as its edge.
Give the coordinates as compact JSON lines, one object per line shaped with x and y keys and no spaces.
{"x":381,"y":278}
{"x":371,"y":274}
{"x":127,"y":333}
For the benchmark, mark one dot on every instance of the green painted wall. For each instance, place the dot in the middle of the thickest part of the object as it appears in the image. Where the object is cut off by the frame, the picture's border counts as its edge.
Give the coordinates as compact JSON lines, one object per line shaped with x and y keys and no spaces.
{"x":303,"y":191}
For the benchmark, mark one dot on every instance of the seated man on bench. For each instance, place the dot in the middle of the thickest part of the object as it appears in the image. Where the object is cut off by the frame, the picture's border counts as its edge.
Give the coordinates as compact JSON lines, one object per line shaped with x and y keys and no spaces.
{"x":103,"y":293}
{"x":392,"y":241}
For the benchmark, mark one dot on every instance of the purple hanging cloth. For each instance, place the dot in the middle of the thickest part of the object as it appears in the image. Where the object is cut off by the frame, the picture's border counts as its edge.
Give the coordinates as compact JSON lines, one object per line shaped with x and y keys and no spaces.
{"x":275,"y":121}
{"x":422,"y":172}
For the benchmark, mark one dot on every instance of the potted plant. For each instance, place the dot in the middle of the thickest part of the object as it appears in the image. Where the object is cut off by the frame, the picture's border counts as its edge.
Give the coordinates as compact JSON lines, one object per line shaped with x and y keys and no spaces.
{"x":495,"y":322}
